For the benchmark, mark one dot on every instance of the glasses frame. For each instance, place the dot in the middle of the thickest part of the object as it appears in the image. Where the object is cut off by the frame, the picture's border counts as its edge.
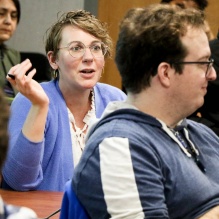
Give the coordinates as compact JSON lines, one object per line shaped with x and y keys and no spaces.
{"x":208,"y":63}
{"x":69,"y":50}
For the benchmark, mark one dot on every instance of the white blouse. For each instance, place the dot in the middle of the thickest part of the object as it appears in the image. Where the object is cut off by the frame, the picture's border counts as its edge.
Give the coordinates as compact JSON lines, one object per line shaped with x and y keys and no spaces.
{"x":77,"y":134}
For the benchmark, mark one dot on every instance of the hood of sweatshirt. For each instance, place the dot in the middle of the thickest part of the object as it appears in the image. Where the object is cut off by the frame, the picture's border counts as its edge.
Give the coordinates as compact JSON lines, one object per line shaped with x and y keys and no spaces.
{"x":121,"y":110}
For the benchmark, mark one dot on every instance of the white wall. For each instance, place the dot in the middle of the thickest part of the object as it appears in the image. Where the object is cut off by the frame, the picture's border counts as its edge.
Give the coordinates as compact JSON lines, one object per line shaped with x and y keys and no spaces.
{"x":36,"y":17}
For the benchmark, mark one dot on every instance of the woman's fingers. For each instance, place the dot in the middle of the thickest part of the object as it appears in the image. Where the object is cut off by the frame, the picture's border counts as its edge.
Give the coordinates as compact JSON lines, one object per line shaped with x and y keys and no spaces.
{"x":25,"y":84}
{"x":30,"y":75}
{"x":10,"y":76}
{"x":18,"y":71}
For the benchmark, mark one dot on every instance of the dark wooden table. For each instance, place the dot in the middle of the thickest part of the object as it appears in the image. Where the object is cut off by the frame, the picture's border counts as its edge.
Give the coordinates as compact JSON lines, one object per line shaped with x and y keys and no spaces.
{"x":42,"y":202}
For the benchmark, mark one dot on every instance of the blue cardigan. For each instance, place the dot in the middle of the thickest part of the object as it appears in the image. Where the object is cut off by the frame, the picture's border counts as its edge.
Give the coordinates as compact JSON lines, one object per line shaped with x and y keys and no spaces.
{"x":46,"y":165}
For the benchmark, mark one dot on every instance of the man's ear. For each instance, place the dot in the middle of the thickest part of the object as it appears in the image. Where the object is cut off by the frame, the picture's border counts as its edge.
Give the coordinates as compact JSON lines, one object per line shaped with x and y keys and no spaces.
{"x":164,"y":72}
{"x":52,"y":60}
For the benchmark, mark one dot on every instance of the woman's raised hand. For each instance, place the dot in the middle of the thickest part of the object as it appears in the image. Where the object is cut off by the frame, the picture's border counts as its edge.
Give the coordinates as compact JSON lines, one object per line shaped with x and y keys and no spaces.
{"x":25,"y":83}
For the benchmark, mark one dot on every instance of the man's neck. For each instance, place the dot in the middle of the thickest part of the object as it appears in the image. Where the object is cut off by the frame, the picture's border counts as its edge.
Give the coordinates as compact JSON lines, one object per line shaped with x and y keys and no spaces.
{"x":156,"y":107}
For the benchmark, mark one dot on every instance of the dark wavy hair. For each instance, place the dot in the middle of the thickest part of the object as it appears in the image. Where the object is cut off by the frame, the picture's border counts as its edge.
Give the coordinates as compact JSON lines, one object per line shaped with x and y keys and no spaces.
{"x":17,"y":5}
{"x":149,"y":36}
{"x":202,"y":4}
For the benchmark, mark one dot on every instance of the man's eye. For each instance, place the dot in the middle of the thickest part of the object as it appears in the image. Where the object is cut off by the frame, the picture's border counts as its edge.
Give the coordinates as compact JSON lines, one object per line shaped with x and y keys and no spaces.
{"x":203,"y":65}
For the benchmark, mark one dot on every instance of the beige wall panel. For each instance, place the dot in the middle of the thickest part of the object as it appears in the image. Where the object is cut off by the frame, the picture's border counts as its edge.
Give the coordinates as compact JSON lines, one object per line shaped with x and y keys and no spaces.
{"x":36,"y":17}
{"x":212,"y":15}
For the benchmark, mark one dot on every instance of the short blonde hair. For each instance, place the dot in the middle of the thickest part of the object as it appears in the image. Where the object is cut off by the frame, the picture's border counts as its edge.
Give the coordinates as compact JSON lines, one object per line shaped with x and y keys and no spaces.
{"x":82,"y":19}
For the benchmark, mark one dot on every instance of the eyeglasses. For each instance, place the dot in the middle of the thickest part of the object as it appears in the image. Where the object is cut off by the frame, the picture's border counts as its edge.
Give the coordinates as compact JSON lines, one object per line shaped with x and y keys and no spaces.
{"x":208,"y":64}
{"x":77,"y":49}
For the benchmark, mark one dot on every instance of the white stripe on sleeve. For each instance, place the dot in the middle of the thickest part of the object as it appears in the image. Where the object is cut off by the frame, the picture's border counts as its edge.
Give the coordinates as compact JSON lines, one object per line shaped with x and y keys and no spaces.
{"x":118,"y":179}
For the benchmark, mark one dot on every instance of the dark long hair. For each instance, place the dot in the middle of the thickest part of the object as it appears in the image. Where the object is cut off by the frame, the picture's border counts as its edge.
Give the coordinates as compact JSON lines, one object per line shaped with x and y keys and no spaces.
{"x":17,"y":5}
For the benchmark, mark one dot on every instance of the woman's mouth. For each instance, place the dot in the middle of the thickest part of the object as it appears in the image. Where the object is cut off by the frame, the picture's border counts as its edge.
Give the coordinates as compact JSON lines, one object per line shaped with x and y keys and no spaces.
{"x":87,"y":71}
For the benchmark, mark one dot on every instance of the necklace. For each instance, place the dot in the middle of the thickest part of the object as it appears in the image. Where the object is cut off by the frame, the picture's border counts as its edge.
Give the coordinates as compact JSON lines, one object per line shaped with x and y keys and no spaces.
{"x":77,"y":134}
{"x":193,"y":151}
{"x":180,"y":138}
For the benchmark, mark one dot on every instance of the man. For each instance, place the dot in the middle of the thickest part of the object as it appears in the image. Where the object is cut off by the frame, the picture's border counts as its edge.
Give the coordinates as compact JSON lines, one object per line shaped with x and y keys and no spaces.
{"x":209,"y":112}
{"x":143,"y":159}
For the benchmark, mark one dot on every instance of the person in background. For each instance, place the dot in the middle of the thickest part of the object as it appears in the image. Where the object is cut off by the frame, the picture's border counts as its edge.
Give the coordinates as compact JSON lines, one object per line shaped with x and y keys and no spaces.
{"x":8,"y":211}
{"x":9,"y":19}
{"x":197,"y":4}
{"x":49,"y":120}
{"x":152,"y":162}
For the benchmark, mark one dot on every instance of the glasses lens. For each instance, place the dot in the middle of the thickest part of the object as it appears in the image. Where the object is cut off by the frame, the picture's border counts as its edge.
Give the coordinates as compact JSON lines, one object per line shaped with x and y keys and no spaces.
{"x":98,"y":49}
{"x":209,"y":66}
{"x":76,"y":49}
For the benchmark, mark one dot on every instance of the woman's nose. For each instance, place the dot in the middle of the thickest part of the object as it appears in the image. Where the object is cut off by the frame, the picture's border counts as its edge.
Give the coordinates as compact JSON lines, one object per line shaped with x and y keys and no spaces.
{"x":88,"y":56}
{"x":8,"y":18}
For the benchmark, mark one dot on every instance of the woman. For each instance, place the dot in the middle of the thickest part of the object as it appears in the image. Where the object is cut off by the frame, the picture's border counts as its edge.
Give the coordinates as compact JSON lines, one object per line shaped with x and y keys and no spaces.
{"x":9,"y":19}
{"x":49,"y":120}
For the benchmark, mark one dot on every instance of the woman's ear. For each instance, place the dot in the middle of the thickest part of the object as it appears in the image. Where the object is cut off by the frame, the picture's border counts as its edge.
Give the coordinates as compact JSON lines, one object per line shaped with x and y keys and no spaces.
{"x":164,"y":72}
{"x":52,"y":60}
